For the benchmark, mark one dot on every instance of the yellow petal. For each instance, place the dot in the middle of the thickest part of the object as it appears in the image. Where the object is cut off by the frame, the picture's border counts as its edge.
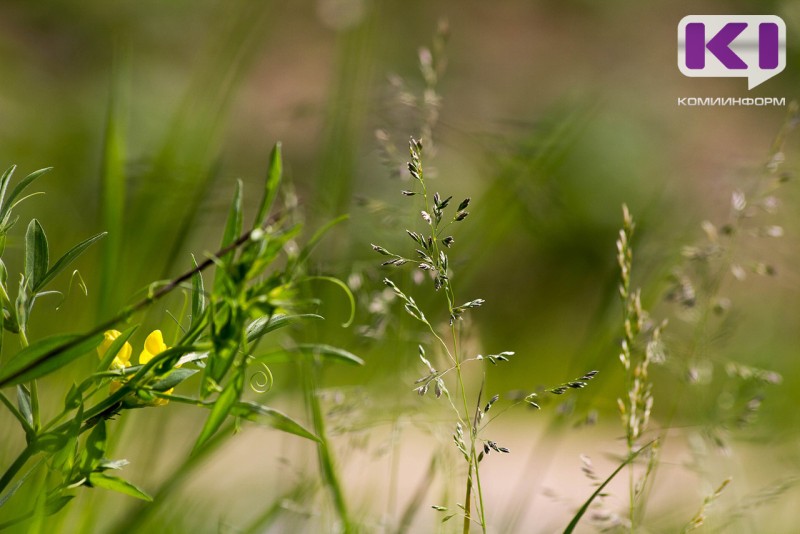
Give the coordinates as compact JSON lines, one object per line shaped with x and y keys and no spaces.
{"x":154,"y":344}
{"x":123,"y":358}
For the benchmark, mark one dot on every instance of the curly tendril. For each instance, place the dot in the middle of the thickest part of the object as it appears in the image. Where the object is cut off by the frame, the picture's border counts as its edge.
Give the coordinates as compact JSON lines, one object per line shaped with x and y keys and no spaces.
{"x":261,"y":381}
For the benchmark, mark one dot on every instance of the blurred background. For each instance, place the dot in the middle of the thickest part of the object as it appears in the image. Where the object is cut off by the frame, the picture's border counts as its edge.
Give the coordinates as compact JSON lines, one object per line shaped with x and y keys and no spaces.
{"x":549,"y":115}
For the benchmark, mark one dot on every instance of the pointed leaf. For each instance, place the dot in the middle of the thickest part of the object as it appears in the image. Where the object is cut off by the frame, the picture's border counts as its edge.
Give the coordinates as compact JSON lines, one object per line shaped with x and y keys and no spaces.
{"x":45,"y":356}
{"x":4,"y":180}
{"x":18,"y":189}
{"x":220,"y":410}
{"x":332,"y":353}
{"x":24,"y":403}
{"x":175,"y":377}
{"x":114,"y":348}
{"x":266,"y":324}
{"x":233,"y":228}
{"x":198,"y":294}
{"x":36,"y":254}
{"x":95,"y":447}
{"x":274,"y":418}
{"x":101,"y":480}
{"x":273,"y":181}
{"x":71,"y":255}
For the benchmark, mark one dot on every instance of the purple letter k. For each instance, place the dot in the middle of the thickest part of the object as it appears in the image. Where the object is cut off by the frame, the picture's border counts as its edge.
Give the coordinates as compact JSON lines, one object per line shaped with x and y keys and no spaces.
{"x":719,"y":45}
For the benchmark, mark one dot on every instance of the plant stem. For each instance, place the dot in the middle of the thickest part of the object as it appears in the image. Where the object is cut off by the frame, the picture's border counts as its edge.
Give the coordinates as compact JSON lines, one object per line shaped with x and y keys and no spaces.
{"x":326,"y":461}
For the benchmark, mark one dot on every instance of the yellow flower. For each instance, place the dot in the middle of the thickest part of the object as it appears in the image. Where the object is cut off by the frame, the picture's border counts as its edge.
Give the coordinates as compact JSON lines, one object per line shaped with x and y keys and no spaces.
{"x":123,"y":358}
{"x":154,"y":345}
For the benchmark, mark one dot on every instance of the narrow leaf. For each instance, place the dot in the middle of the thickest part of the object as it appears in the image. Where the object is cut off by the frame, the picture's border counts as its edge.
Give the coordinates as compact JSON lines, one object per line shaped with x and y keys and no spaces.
{"x":220,"y":410}
{"x":233,"y":228}
{"x":579,"y":514}
{"x":198,"y":294}
{"x":114,"y":348}
{"x":101,"y":480}
{"x":36,"y":254}
{"x":24,"y":403}
{"x":175,"y":377}
{"x":268,"y":323}
{"x":71,"y":255}
{"x":4,"y":180}
{"x":274,"y":174}
{"x":278,"y":420}
{"x":95,"y":447}
{"x":45,"y":356}
{"x":18,"y":189}
{"x":330,"y":352}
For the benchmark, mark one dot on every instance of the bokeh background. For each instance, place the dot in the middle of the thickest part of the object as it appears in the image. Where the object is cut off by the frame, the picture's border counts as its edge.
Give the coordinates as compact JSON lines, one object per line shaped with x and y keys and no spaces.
{"x":552,"y":114}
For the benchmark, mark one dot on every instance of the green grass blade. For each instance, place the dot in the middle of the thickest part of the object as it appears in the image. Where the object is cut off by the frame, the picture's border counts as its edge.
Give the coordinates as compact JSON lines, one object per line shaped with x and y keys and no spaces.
{"x":112,"y":187}
{"x":577,"y":517}
{"x":70,"y":256}
{"x":274,"y":175}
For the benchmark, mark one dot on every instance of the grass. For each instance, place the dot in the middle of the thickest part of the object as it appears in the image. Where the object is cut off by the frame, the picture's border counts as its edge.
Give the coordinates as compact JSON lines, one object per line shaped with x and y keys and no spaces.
{"x":435,"y":424}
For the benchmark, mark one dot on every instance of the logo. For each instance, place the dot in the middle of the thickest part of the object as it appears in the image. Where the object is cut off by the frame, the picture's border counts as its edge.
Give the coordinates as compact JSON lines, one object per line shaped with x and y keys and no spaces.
{"x":732,"y":46}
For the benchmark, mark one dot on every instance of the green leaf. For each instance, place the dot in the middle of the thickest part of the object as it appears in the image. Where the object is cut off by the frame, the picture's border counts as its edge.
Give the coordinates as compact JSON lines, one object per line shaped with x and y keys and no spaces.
{"x":220,"y":410}
{"x":268,"y":323}
{"x":95,"y":447}
{"x":24,"y":403}
{"x":233,"y":228}
{"x":4,"y":181}
{"x":265,"y":415}
{"x":18,"y":189}
{"x":66,"y":259}
{"x":274,"y":174}
{"x":175,"y":377}
{"x":36,"y":254}
{"x":101,"y":480}
{"x":326,"y":352}
{"x":198,"y":294}
{"x":329,"y":352}
{"x":114,"y":348}
{"x":45,"y":356}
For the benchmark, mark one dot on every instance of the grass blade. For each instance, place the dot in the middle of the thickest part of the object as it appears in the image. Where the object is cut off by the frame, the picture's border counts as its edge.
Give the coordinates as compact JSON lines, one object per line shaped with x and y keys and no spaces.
{"x":577,"y":517}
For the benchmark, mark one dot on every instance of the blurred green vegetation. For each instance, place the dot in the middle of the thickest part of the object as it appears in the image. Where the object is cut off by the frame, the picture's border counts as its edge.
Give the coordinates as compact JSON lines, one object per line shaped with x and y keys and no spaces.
{"x":553,"y":115}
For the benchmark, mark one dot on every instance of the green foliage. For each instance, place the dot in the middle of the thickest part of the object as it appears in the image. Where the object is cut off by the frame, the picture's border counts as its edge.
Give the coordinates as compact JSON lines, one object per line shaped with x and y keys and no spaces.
{"x":253,"y":295}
